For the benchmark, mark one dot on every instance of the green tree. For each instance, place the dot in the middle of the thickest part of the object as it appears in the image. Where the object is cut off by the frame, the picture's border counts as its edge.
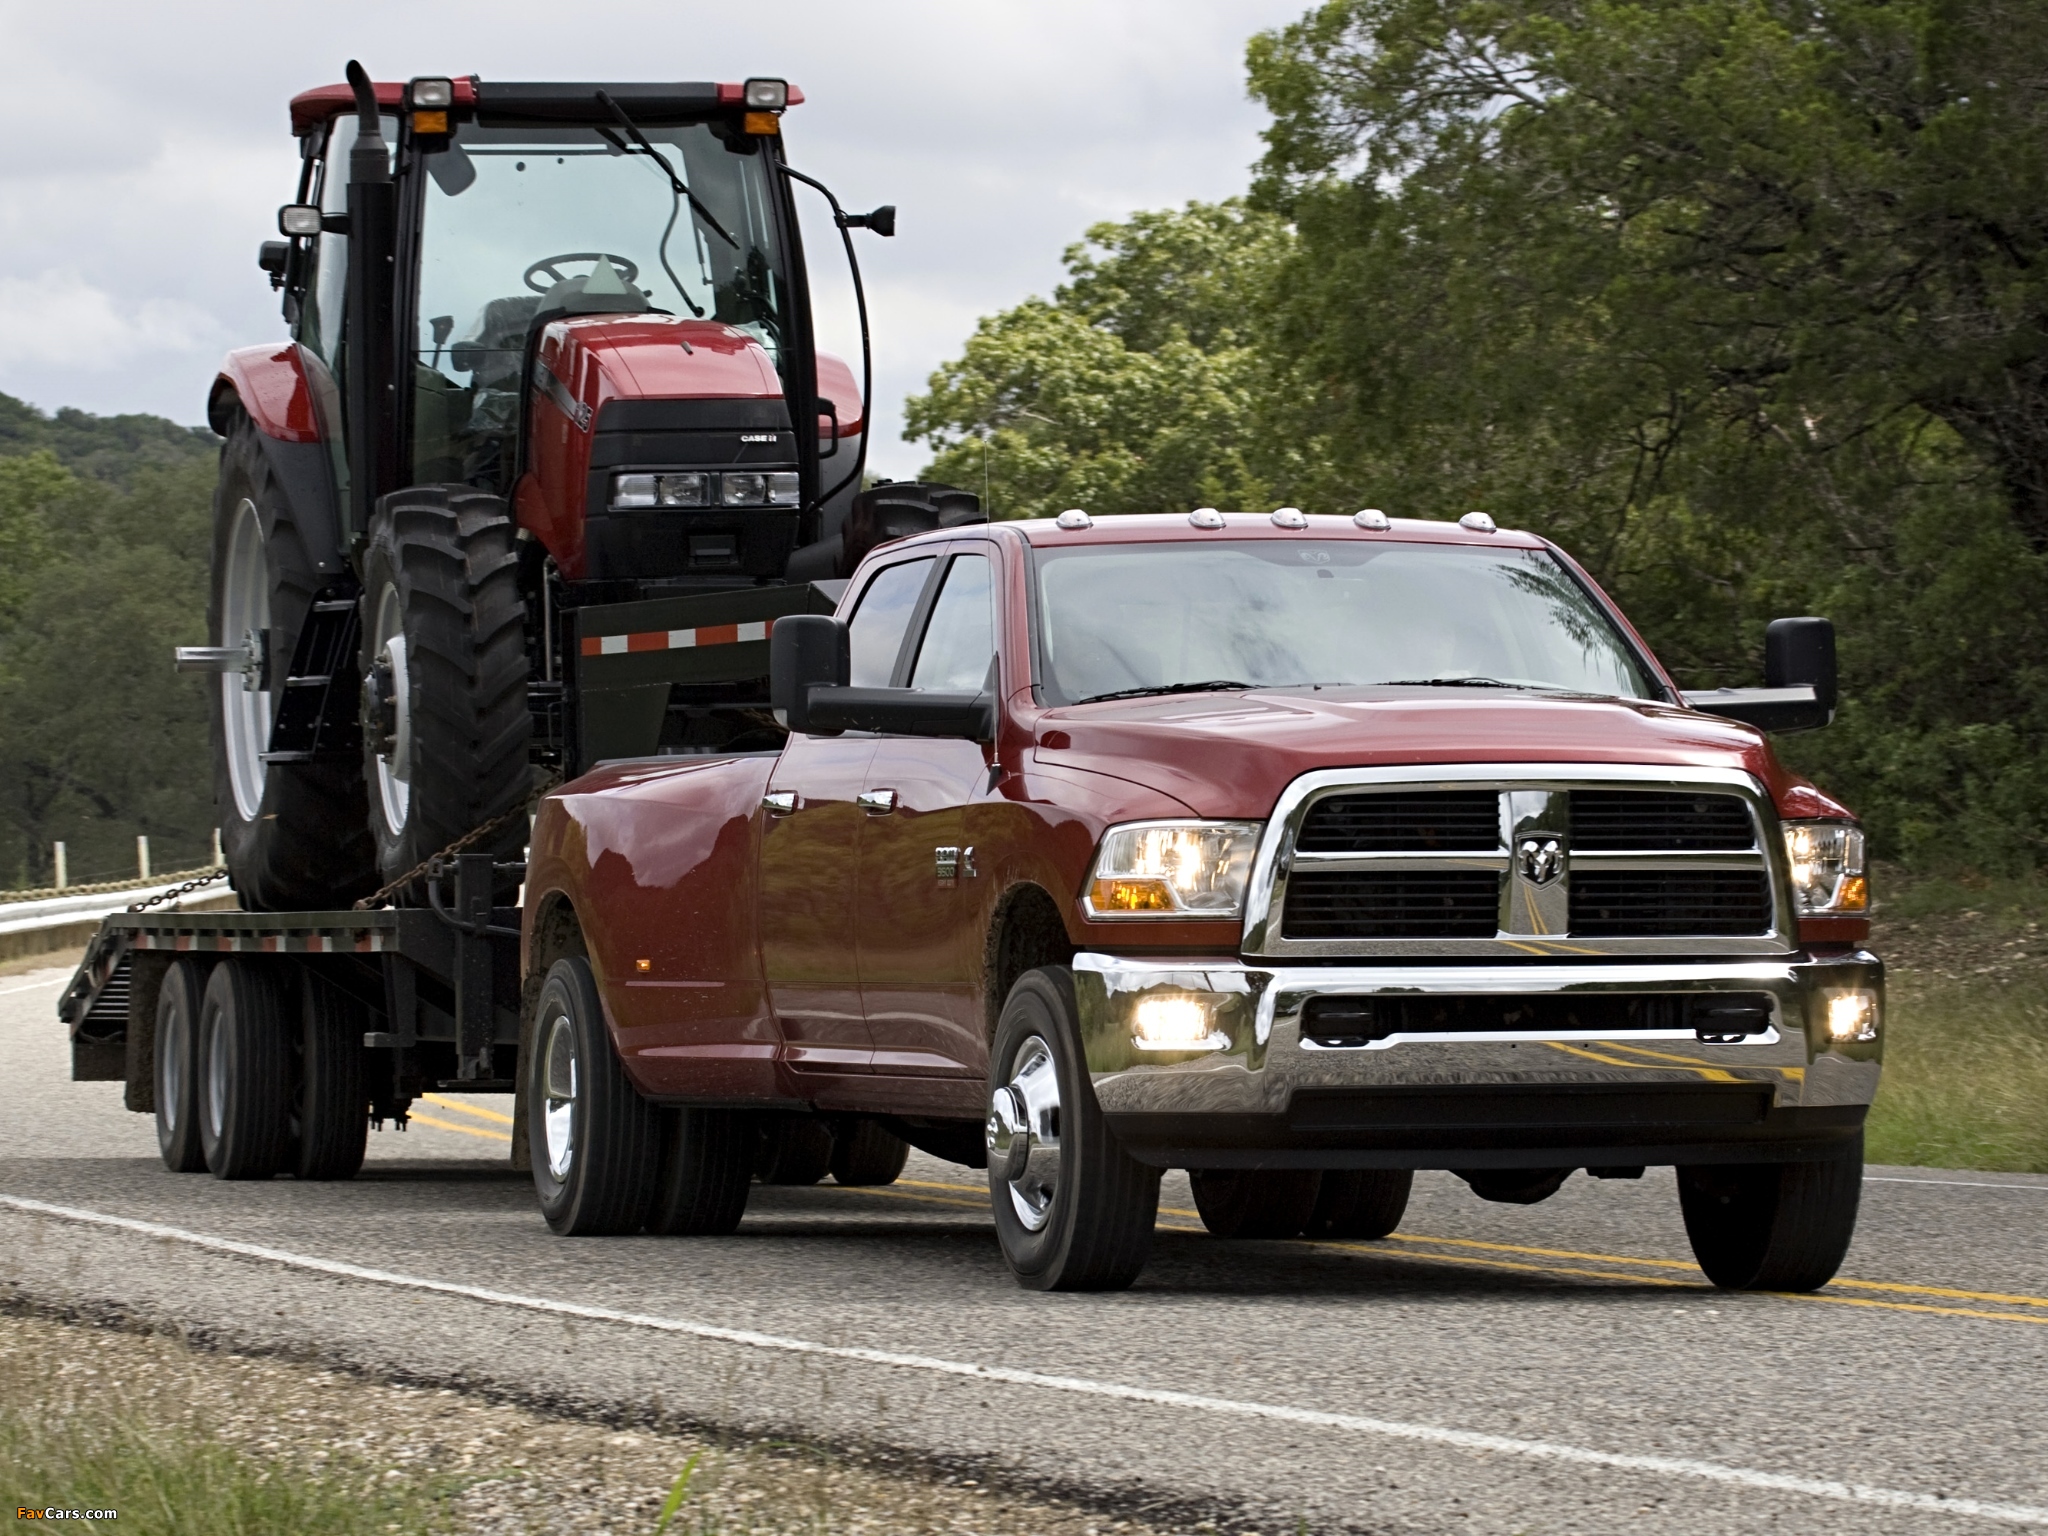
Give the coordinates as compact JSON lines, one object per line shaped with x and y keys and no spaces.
{"x":1133,"y":389}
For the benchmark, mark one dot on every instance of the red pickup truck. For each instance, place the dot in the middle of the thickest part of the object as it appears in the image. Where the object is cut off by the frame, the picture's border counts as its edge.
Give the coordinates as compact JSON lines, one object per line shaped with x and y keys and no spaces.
{"x":1296,"y":852}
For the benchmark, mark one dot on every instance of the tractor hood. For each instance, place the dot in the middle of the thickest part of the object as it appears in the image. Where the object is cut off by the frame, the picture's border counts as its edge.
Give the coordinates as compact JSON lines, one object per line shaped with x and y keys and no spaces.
{"x":1230,"y":755}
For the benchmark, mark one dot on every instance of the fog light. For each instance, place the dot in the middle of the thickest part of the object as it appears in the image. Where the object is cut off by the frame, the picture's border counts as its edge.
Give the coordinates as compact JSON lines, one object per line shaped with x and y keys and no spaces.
{"x":1852,"y":1016}
{"x":1174,"y":1024}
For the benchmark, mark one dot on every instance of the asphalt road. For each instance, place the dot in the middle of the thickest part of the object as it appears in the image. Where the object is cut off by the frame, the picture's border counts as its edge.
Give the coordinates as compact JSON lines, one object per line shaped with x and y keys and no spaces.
{"x":1555,"y":1368}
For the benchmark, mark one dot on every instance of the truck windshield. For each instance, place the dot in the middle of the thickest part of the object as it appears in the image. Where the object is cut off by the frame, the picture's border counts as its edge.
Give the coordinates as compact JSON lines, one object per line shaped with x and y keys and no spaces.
{"x":1160,"y":618}
{"x":522,"y":223}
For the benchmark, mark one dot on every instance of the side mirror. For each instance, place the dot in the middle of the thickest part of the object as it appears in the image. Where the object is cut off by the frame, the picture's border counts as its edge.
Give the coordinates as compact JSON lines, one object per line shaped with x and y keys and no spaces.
{"x":904,"y":712}
{"x":805,"y":651}
{"x":1799,"y":691}
{"x":272,"y":256}
{"x":882,"y":221}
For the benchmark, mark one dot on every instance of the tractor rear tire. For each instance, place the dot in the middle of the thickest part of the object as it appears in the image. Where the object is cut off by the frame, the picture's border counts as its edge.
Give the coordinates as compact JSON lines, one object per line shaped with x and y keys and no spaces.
{"x":294,"y":834}
{"x":446,"y":721}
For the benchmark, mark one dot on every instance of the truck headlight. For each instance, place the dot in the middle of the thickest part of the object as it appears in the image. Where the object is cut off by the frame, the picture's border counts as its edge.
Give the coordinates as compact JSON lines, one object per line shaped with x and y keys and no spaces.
{"x":1172,"y":869}
{"x":1828,"y":878}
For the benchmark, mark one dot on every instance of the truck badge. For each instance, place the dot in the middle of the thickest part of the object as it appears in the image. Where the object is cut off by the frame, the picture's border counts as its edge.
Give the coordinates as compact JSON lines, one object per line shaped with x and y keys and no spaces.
{"x":1539,"y":858}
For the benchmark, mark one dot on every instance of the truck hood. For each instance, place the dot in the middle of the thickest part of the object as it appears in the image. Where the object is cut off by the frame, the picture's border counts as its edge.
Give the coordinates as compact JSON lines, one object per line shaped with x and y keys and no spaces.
{"x":1230,"y":755}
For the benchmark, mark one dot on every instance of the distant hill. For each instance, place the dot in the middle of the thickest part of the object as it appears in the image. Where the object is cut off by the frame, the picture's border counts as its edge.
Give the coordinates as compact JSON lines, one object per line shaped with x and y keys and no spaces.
{"x":108,"y":448}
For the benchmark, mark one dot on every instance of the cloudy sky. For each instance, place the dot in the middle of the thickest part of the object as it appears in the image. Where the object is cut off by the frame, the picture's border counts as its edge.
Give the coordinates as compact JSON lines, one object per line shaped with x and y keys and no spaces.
{"x":145,"y":148}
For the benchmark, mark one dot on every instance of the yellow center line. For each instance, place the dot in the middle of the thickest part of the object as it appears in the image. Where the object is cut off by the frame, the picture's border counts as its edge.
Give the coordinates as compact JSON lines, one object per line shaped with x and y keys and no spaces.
{"x":450,"y":1125}
{"x":1906,"y":1306}
{"x":467,"y":1109}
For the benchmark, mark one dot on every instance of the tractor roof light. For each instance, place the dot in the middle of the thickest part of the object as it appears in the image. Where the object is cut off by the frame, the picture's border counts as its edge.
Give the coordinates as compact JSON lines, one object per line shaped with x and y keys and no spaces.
{"x":766,"y":95}
{"x":431,"y":93}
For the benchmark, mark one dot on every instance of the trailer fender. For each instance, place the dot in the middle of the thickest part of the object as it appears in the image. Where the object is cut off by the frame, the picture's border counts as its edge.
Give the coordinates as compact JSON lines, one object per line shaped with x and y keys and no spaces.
{"x":270,"y":384}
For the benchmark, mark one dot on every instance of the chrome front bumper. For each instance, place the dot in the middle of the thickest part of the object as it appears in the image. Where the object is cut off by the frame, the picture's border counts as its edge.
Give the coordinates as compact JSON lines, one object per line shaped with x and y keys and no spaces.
{"x":1261,"y":1094}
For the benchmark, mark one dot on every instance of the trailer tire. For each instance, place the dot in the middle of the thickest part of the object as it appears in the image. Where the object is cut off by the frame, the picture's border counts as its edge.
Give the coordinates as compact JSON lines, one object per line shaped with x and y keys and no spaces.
{"x":705,"y":1174}
{"x":1772,"y":1226}
{"x":794,"y":1150}
{"x":1255,"y":1202}
{"x":1077,"y":1215}
{"x":446,"y":722}
{"x":331,"y":1095}
{"x":595,"y":1140}
{"x":245,"y":1084}
{"x":294,"y":834}
{"x":177,"y":1068}
{"x":1360,"y":1203}
{"x":864,"y":1154}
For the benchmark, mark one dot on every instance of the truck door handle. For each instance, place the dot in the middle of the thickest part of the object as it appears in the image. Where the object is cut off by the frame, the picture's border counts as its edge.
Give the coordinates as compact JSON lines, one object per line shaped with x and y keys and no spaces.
{"x":878,"y":802}
{"x":781,"y":803}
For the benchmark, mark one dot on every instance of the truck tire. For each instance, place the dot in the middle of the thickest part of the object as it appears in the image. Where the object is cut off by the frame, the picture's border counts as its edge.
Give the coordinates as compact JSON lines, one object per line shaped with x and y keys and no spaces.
{"x":595,"y":1140}
{"x":705,"y":1174}
{"x":177,"y":1068}
{"x":1263,"y":1202}
{"x":1772,"y":1226}
{"x":294,"y":834}
{"x":865,"y":1155}
{"x":1073,"y":1210}
{"x":1360,"y":1203}
{"x":331,"y":1097}
{"x":795,"y":1150}
{"x":245,"y":1071}
{"x":445,"y":715}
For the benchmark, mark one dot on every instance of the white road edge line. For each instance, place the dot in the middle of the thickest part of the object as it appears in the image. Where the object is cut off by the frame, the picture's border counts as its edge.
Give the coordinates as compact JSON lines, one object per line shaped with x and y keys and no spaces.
{"x":1877,"y":1178}
{"x":34,"y":986}
{"x":1462,"y":1439}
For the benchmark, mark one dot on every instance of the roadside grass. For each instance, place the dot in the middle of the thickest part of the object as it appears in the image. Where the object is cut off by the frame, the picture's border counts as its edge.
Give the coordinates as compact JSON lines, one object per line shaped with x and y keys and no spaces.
{"x":71,"y":1439}
{"x":1966,"y":1050}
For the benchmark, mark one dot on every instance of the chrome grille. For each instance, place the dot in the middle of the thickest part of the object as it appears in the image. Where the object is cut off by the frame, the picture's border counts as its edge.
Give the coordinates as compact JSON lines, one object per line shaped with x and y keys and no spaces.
{"x":1519,"y":861}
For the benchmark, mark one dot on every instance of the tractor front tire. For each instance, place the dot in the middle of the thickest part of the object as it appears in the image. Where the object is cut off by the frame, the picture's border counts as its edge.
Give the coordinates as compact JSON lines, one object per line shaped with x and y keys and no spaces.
{"x":445,"y":716}
{"x":294,"y":834}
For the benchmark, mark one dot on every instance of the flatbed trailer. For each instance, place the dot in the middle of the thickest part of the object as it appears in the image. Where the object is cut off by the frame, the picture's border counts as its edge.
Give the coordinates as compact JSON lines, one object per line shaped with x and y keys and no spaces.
{"x":434,"y":989}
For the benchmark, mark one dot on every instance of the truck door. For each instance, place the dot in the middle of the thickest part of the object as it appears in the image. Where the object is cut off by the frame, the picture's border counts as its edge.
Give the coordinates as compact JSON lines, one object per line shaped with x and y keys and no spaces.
{"x":810,"y":849}
{"x":916,"y":955}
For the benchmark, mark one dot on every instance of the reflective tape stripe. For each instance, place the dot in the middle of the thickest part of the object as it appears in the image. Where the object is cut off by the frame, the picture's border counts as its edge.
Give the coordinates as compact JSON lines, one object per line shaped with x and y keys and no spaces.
{"x":676,"y":639}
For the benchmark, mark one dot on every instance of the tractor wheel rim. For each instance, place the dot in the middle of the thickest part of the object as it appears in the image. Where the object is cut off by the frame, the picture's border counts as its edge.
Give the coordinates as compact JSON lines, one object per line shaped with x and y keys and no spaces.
{"x":245,"y":621}
{"x":1035,"y":1082}
{"x":394,"y":769}
{"x":558,"y":1096}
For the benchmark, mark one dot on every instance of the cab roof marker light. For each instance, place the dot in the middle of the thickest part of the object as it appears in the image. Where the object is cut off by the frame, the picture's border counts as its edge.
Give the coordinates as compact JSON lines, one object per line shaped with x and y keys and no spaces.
{"x":1205,"y":517}
{"x":1074,"y":519}
{"x":1372,"y":520}
{"x":1289,"y":517}
{"x":1478,"y":522}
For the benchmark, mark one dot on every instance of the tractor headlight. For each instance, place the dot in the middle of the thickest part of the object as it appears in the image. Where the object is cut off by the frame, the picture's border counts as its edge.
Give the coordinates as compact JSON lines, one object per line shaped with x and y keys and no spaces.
{"x":767,"y":95}
{"x":683,"y":490}
{"x":1172,"y":869}
{"x":1826,"y":859}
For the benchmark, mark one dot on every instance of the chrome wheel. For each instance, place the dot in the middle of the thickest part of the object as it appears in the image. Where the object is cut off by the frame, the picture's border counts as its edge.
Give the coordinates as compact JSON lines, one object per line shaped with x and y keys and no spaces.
{"x":245,"y":623}
{"x":1024,"y":1133}
{"x":558,"y":1088}
{"x":388,"y":692}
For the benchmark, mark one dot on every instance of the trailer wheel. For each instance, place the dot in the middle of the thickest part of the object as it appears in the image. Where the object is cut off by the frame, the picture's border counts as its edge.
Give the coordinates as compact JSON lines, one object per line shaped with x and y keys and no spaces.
{"x":1073,"y":1210}
{"x":177,"y":1069}
{"x":293,"y":834}
{"x":794,"y":1149}
{"x":705,"y":1174}
{"x":1772,"y":1226}
{"x":1255,"y":1202}
{"x":445,"y":715}
{"x":330,"y":1094}
{"x":595,"y":1141}
{"x":1360,"y":1202}
{"x":245,"y":1085}
{"x":865,"y":1154}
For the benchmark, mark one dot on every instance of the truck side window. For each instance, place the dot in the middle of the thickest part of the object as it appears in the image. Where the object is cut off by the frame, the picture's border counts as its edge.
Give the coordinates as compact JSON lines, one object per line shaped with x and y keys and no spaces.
{"x":878,"y":625}
{"x":961,"y":636}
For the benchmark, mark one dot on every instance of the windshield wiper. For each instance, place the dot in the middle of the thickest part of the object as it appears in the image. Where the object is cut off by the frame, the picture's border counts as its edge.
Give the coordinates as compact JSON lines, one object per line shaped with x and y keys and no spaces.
{"x":1450,"y":682}
{"x":1214,"y":685}
{"x":604,"y":99}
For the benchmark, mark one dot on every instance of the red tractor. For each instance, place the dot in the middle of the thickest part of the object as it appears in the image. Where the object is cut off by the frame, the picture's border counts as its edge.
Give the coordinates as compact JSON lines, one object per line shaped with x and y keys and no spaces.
{"x":552,"y":383}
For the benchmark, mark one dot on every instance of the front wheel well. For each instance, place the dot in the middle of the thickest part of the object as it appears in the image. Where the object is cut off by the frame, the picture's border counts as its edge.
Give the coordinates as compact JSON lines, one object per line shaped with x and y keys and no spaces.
{"x":1027,"y":932}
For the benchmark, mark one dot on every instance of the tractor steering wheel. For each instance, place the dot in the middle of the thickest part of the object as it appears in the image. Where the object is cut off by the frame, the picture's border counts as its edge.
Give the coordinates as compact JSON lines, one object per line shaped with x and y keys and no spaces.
{"x":628,"y":271}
